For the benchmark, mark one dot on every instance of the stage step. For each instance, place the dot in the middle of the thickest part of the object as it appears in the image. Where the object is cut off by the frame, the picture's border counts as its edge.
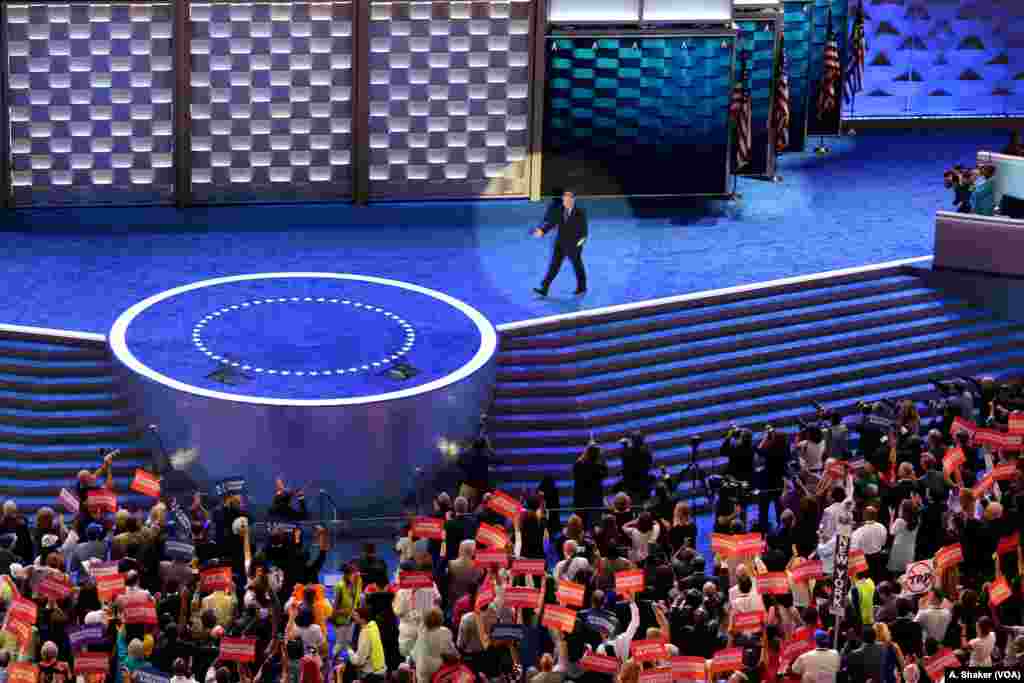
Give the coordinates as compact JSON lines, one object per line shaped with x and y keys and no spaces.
{"x":750,"y":356}
{"x":60,"y":411}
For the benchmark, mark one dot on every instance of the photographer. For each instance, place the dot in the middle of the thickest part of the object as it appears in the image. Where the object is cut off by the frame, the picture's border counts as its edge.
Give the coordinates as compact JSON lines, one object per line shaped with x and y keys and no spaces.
{"x":637,"y":462}
{"x":770,"y":474}
{"x":738,"y":450}
{"x":588,"y":475}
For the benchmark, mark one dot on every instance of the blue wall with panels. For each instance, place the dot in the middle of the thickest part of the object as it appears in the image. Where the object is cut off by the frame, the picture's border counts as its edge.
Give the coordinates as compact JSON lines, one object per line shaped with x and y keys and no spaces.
{"x":798,"y":51}
{"x":829,"y":124}
{"x":758,"y":41}
{"x":637,"y":115}
{"x":942,"y":58}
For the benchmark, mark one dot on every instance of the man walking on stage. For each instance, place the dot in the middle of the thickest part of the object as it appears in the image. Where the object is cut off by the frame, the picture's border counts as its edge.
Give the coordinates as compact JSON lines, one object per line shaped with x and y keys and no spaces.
{"x":571,"y":223}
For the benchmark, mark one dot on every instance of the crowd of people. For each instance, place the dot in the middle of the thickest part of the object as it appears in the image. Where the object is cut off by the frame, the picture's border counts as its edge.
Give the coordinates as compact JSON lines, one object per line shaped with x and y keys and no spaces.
{"x":886,"y":557}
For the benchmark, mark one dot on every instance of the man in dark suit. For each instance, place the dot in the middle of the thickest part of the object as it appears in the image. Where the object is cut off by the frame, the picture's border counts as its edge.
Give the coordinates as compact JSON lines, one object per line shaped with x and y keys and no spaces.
{"x":571,"y":222}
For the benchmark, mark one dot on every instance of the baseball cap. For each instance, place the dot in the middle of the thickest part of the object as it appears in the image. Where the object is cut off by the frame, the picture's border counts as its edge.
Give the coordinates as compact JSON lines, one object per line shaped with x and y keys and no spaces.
{"x":821,"y":638}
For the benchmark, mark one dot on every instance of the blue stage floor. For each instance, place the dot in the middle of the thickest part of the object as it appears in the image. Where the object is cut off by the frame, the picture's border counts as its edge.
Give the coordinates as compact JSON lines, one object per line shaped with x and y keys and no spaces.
{"x":872,"y":200}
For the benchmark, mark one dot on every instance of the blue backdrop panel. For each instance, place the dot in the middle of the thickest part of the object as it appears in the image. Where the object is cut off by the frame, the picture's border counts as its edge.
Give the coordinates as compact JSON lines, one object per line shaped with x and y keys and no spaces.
{"x":638,"y":115}
{"x":948,"y":58}
{"x":758,"y":41}
{"x":798,"y":51}
{"x":90,"y":94}
{"x":829,"y":124}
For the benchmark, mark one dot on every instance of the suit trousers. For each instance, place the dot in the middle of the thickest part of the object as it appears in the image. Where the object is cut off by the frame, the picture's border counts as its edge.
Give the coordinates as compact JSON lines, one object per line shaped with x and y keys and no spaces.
{"x":558,"y":255}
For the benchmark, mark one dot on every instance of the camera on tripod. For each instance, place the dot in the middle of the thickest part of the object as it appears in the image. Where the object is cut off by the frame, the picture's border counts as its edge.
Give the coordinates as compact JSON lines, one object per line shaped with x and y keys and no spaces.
{"x":732,"y":491}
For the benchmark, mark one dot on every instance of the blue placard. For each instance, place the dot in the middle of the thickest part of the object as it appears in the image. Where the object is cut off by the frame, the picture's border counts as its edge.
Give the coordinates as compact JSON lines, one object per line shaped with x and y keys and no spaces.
{"x":148,"y":674}
{"x":512,"y":632}
{"x":182,"y":552}
{"x":85,"y":636}
{"x":232,"y":486}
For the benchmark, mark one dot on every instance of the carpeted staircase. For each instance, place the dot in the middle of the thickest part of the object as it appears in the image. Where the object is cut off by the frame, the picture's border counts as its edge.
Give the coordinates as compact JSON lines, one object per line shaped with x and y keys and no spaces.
{"x":693,"y":365}
{"x":59,"y":408}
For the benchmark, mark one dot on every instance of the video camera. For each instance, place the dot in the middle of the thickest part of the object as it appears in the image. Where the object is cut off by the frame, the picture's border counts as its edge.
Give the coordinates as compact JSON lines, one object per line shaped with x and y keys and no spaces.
{"x":732,"y":490}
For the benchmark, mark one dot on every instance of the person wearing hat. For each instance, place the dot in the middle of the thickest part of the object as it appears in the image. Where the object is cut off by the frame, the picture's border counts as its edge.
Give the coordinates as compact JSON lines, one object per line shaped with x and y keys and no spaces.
{"x":821,"y":664}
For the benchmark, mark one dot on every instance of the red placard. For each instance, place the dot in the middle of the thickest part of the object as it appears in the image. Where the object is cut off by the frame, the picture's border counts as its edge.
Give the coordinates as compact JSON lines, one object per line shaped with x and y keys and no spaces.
{"x":491,"y":536}
{"x":69,"y":501}
{"x":983,"y":486}
{"x":491,"y":558}
{"x":1009,"y":544}
{"x":730,"y":659}
{"x":856,"y":563}
{"x":23,"y":610}
{"x":629,"y":581}
{"x":648,"y":650}
{"x":505,"y":505}
{"x":937,"y":665}
{"x":804,"y":633}
{"x":485,"y":594}
{"x":748,"y":622}
{"x":53,"y":588}
{"x":689,"y":668}
{"x":805,"y":571}
{"x":723,"y":545}
{"x":145,"y":483}
{"x":998,"y":592}
{"x":21,"y":631}
{"x":428,"y":527}
{"x":531,"y":567}
{"x":414,"y":580}
{"x":772,"y":583}
{"x":139,"y":612}
{"x":98,"y":569}
{"x":602,"y":664}
{"x":962,"y":425}
{"x":836,"y":469}
{"x":1017,"y":423}
{"x":521,"y":597}
{"x":1006,"y":471}
{"x":569,"y":593}
{"x":92,"y":662}
{"x":793,"y":649}
{"x":22,"y":672}
{"x":996,"y":439}
{"x":109,"y":586}
{"x":218,"y":579}
{"x":948,"y":556}
{"x":660,"y":675}
{"x":104,"y":499}
{"x":749,"y":545}
{"x":953,"y":459}
{"x":561,"y":618}
{"x":238,"y":649}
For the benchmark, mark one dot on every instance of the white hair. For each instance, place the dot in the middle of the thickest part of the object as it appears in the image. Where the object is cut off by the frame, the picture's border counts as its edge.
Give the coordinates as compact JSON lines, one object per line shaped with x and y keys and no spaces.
{"x":10,"y":507}
{"x":467,"y":548}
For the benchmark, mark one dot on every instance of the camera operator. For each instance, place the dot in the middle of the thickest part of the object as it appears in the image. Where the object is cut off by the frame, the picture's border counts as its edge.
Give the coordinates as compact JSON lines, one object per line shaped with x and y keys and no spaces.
{"x":770,"y":474}
{"x":838,"y":435}
{"x":738,"y":450}
{"x":588,"y":475}
{"x":810,"y":453}
{"x":637,"y":462}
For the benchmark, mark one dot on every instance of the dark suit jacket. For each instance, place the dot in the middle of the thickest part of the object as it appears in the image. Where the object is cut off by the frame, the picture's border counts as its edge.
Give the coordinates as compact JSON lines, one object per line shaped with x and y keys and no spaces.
{"x":569,"y":231}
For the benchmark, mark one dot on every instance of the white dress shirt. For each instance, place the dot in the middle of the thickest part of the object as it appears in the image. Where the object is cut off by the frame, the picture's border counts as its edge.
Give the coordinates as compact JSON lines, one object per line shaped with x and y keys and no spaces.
{"x":870,"y":538}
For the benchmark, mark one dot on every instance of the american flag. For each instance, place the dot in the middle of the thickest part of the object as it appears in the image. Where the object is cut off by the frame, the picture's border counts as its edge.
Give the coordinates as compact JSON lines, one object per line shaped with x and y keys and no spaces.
{"x":741,"y":111}
{"x":858,"y":51}
{"x":780,"y":110}
{"x":831,"y":74}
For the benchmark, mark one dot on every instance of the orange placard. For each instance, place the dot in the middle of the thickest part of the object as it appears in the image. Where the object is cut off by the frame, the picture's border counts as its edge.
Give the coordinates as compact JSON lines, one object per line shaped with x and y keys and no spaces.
{"x":22,"y":672}
{"x":948,"y":556}
{"x":1006,"y":471}
{"x":998,"y":592}
{"x":561,"y":618}
{"x":570,"y":593}
{"x":104,"y":499}
{"x":629,"y":581}
{"x":689,"y":668}
{"x":23,"y":610}
{"x":109,"y":586}
{"x":602,"y":664}
{"x":1009,"y":544}
{"x":659,"y":675}
{"x":491,"y":536}
{"x":145,"y":483}
{"x":723,"y":545}
{"x":937,"y":665}
{"x":428,"y":527}
{"x":648,"y":650}
{"x":531,"y":567}
{"x":748,"y":622}
{"x":238,"y":649}
{"x":772,"y":583}
{"x":856,"y":563}
{"x":521,"y":597}
{"x":92,"y":662}
{"x":808,"y":570}
{"x":505,"y":505}
{"x":730,"y":659}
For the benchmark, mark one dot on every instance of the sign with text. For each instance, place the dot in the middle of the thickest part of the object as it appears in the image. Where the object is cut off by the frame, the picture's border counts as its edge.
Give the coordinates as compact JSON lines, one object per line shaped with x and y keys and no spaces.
{"x":522,"y":597}
{"x":570,"y":593}
{"x":491,"y":558}
{"x":689,"y":668}
{"x":218,"y":579}
{"x":601,"y":664}
{"x":179,"y":552}
{"x":104,"y":499}
{"x":1009,"y":544}
{"x":97,"y":569}
{"x":856,"y":562}
{"x":92,"y":662}
{"x":999,"y":592}
{"x":723,"y":545}
{"x":807,"y":571}
{"x":793,"y":649}
{"x":1016,"y":423}
{"x":22,"y":672}
{"x":23,"y":610}
{"x":630,"y":581}
{"x":53,"y":587}
{"x":918,"y":579}
{"x":139,"y":612}
{"x":748,"y":622}
{"x":961,"y":425}
{"x":749,"y":545}
{"x":730,"y":659}
{"x":145,"y":483}
{"x":238,"y":649}
{"x":659,"y":675}
{"x":937,"y":665}
{"x":993,"y":438}
{"x":772,"y":583}
{"x":84,"y":636}
{"x":415,"y":580}
{"x":491,"y":536}
{"x":505,"y":505}
{"x":948,"y":556}
{"x":109,"y":586}
{"x":560,"y":618}
{"x":530,"y":567}
{"x":1006,"y":471}
{"x":648,"y":650}
{"x":428,"y":527}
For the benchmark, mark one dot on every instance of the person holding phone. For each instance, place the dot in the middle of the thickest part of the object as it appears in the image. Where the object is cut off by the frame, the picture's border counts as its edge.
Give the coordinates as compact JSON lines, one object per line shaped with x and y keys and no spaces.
{"x":571,"y":223}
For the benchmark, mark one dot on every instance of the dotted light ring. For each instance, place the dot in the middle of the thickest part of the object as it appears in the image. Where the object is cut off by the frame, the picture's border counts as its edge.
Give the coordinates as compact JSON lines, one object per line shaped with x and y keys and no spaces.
{"x":407,"y":328}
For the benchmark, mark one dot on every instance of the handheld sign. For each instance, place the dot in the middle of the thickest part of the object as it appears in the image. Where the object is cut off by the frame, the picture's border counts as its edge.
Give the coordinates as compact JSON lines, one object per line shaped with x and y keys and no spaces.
{"x":918,"y":578}
{"x":560,"y":618}
{"x":998,"y":592}
{"x":1016,"y":423}
{"x":730,"y":659}
{"x":92,"y":662}
{"x":145,"y":483}
{"x":415,"y":580}
{"x":218,"y":579}
{"x":648,"y":650}
{"x":140,"y":612}
{"x":22,"y":672}
{"x":428,"y":527}
{"x":748,"y":545}
{"x":601,"y":664}
{"x":570,"y":593}
{"x":521,"y":597}
{"x":84,"y":636}
{"x":1006,"y":471}
{"x":489,"y":558}
{"x":937,"y":665}
{"x":629,"y":581}
{"x":723,"y":545}
{"x":1009,"y":544}
{"x":238,"y":649}
{"x":772,"y":583}
{"x":109,"y":586}
{"x":857,"y":562}
{"x":806,"y":571}
{"x":659,"y":675}
{"x":179,"y":552}
{"x":21,"y":631}
{"x":505,"y":505}
{"x":69,"y":501}
{"x":508,"y":632}
{"x":689,"y":668}
{"x":492,"y":536}
{"x":98,"y":569}
{"x":23,"y":610}
{"x":962,"y":425}
{"x":53,"y":588}
{"x":793,"y":649}
{"x":948,"y":556}
{"x":485,"y":594}
{"x":748,"y":622}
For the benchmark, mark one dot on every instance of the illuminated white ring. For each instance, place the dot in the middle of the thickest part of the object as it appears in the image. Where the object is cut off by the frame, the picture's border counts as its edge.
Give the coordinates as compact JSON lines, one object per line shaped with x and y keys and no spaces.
{"x":484,"y":353}
{"x":407,"y":329}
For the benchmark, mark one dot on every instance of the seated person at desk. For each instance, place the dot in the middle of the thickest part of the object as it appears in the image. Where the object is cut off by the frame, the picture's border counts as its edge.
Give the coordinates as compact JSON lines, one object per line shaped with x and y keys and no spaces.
{"x":984,"y":197}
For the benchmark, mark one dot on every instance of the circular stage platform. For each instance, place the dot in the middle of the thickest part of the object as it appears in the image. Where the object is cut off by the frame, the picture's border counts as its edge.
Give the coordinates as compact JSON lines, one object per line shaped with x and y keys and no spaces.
{"x":340,"y":382}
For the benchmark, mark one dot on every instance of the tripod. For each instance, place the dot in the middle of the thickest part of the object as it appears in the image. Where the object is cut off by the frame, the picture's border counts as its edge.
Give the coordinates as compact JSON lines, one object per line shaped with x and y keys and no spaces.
{"x":692,"y":472}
